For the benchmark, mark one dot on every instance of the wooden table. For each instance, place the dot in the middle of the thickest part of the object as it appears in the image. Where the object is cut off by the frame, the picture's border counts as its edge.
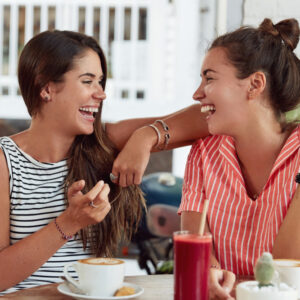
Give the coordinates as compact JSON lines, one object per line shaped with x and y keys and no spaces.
{"x":156,"y":287}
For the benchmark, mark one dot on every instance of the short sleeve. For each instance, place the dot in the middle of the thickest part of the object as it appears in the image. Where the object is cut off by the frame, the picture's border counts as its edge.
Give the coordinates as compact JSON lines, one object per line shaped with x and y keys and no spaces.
{"x":193,"y":193}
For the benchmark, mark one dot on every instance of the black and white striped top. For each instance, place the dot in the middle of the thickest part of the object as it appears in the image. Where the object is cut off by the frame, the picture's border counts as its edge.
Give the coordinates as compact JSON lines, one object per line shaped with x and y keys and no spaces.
{"x":36,"y":198}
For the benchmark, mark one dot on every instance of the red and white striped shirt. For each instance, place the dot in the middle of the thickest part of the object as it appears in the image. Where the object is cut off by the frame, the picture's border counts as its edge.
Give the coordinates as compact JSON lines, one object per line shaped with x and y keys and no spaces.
{"x":242,"y":228}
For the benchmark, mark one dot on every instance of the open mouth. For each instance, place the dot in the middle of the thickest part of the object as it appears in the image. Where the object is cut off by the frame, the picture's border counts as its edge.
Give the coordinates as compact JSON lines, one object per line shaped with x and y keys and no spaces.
{"x":208,"y":108}
{"x":89,"y":112}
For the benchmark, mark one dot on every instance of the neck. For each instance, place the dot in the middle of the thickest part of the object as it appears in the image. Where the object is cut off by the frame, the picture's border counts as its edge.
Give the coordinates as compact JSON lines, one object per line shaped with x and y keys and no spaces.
{"x":44,"y":143}
{"x":260,"y":144}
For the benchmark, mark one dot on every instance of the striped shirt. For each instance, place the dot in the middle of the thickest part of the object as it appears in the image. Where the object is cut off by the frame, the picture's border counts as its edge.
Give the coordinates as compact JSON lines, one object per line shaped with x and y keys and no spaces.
{"x":36,"y":198}
{"x":242,"y":228}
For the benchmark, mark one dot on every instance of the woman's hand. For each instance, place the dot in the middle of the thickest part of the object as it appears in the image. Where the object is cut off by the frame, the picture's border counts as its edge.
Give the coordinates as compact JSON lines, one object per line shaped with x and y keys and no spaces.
{"x":221,"y":283}
{"x":85,"y":209}
{"x":130,"y":164}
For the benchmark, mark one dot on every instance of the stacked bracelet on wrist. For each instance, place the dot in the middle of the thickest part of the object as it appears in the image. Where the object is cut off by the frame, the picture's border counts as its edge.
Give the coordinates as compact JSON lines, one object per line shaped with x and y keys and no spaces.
{"x":63,"y":235}
{"x":166,"y":134}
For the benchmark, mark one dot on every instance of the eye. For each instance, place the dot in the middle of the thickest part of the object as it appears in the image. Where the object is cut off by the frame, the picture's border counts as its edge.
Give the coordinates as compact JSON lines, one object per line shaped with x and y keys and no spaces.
{"x":101,"y":82}
{"x":209,"y":79}
{"x":87,"y":81}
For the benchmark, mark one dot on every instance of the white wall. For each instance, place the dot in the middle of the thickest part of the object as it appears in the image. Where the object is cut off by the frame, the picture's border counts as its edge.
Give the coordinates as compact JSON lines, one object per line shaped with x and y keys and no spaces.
{"x":256,"y":10}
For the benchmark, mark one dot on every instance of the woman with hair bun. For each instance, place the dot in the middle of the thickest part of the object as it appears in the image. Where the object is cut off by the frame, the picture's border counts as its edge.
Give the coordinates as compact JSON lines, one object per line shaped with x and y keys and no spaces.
{"x":57,"y":202}
{"x":246,"y":166}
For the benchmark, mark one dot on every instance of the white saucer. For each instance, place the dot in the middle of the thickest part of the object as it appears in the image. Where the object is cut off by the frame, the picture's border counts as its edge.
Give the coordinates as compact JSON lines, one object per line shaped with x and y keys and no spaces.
{"x":64,"y":289}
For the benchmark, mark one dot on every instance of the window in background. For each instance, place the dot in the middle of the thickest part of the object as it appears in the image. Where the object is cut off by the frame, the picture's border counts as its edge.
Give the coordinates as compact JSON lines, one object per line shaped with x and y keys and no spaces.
{"x":81,"y":15}
{"x":6,"y":29}
{"x":142,"y":24}
{"x":36,"y":20}
{"x":21,"y":31}
{"x":96,"y":23}
{"x":127,"y":23}
{"x":51,"y":17}
{"x":124,"y":94}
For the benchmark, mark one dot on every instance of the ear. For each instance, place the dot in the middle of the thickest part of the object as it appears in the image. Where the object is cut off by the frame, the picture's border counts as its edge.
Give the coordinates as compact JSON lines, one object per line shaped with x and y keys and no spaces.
{"x":45,"y":93}
{"x":257,"y":84}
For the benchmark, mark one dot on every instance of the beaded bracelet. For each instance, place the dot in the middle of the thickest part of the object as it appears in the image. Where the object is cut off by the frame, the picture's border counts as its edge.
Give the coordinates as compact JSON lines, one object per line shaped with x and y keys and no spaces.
{"x":63,"y":235}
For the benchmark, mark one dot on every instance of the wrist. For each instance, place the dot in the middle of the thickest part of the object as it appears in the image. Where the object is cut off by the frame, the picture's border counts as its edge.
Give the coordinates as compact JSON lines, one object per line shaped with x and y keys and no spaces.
{"x":148,"y":135}
{"x":67,"y":225}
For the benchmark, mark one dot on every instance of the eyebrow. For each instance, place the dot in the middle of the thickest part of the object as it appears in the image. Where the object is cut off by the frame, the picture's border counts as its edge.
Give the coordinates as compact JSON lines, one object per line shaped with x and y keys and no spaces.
{"x":90,"y":75}
{"x":208,"y":70}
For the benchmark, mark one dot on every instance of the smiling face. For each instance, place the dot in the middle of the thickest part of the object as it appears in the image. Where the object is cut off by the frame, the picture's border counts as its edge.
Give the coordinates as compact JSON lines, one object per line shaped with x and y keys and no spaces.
{"x":223,"y":96}
{"x":76,"y":100}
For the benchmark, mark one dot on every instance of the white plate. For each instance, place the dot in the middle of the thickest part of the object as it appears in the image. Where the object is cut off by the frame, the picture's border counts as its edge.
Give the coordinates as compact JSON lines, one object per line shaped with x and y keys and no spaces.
{"x":64,"y":289}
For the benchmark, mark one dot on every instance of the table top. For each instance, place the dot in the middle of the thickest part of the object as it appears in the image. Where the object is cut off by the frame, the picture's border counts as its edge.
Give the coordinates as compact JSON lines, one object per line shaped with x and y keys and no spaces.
{"x":154,"y":285}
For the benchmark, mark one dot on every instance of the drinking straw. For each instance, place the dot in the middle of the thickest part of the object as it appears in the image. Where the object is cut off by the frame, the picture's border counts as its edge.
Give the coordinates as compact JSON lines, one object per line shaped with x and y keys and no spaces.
{"x":203,"y":217}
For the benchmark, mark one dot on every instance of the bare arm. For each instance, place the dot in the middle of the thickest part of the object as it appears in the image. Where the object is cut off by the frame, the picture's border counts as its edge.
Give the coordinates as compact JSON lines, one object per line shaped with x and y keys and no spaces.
{"x":185,"y":126}
{"x":289,"y":231}
{"x":34,"y":250}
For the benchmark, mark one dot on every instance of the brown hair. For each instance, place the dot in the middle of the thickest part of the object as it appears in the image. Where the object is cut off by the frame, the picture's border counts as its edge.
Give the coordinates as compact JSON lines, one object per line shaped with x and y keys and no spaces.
{"x":47,"y":57}
{"x":269,"y":48}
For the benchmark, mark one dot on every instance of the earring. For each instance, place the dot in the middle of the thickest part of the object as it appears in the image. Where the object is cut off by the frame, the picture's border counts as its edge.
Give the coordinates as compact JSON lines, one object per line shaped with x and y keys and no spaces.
{"x":46,"y":98}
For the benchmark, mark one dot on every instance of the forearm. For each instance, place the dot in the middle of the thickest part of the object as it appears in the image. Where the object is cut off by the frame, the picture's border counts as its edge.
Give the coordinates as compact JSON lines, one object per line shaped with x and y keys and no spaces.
{"x":120,"y":132}
{"x":185,"y":126}
{"x":30,"y":253}
{"x":289,"y":231}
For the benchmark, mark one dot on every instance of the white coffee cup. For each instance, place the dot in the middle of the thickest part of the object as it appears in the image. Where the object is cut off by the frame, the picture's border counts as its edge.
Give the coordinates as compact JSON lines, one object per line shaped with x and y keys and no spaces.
{"x":100,"y":277}
{"x":289,"y":272}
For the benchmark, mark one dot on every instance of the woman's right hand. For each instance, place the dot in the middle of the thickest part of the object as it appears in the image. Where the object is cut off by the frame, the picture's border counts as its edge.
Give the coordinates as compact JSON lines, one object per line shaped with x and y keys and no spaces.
{"x":221,"y":283}
{"x":79,"y":212}
{"x":130,"y":164}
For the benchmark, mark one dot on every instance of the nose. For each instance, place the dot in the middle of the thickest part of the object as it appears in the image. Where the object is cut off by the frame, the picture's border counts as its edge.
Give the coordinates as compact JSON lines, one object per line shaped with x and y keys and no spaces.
{"x":199,"y":93}
{"x":99,"y":93}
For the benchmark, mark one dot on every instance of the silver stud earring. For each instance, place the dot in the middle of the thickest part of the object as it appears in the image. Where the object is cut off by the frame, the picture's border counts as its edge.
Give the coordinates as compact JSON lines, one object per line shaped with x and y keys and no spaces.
{"x":46,"y":98}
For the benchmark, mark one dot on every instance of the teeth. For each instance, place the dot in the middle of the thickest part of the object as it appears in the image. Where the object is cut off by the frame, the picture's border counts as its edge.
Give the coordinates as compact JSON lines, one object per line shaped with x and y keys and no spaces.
{"x":89,"y":109}
{"x":206,"y":108}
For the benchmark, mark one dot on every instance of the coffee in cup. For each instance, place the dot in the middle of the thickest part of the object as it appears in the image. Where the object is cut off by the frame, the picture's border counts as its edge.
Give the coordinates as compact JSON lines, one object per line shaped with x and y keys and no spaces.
{"x":98,"y":276}
{"x":289,"y":272}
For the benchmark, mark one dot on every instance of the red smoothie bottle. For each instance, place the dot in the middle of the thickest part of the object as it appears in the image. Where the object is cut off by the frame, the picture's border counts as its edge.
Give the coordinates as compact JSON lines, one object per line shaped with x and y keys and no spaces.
{"x":191,"y":265}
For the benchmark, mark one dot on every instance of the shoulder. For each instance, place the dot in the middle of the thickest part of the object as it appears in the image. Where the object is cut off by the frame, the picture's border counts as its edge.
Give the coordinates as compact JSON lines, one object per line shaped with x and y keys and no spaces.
{"x":211,"y":141}
{"x":205,"y":147}
{"x":4,"y":174}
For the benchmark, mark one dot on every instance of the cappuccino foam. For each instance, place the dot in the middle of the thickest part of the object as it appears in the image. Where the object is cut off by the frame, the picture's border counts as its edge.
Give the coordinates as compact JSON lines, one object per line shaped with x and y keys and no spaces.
{"x":101,"y":261}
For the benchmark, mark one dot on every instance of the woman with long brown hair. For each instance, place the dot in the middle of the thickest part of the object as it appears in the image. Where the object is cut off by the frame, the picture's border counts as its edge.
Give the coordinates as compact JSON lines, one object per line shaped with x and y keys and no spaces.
{"x":57,"y":202}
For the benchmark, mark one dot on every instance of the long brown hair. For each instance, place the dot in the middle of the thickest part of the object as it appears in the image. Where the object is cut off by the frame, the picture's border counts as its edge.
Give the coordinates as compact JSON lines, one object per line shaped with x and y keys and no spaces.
{"x":268,"y":48}
{"x":45,"y":58}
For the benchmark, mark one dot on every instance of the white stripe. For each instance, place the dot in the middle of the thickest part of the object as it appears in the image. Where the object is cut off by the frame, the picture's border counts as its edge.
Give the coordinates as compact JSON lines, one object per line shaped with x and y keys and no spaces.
{"x":228,"y":220}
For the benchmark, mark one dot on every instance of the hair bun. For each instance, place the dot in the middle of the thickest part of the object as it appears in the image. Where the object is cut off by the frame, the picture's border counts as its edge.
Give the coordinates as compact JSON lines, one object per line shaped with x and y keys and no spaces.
{"x":287,"y":29}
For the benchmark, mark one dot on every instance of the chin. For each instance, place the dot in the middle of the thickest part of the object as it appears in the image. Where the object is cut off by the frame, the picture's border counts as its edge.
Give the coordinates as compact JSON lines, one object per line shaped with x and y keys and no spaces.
{"x":85,"y":130}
